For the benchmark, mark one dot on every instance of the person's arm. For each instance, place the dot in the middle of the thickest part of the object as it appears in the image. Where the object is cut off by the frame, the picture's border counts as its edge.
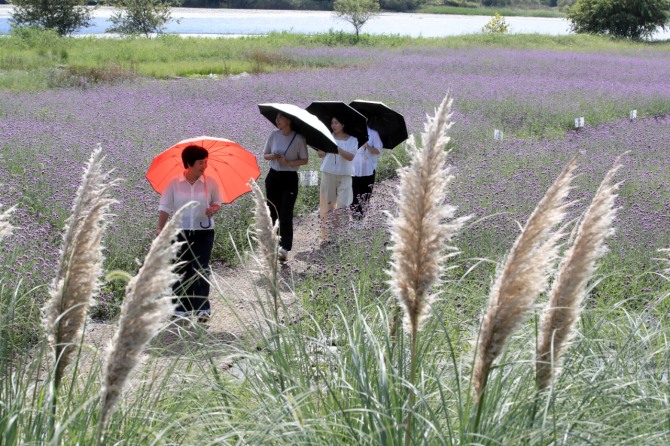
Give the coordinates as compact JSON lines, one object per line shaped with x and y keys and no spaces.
{"x":344,"y":154}
{"x":349,"y":150}
{"x":321,"y":153}
{"x":165,"y":206}
{"x":374,"y":144}
{"x":371,"y":149}
{"x":213,"y":209}
{"x":163,"y":217}
{"x":293,"y":163}
{"x":216,"y":199}
{"x":267,"y":151}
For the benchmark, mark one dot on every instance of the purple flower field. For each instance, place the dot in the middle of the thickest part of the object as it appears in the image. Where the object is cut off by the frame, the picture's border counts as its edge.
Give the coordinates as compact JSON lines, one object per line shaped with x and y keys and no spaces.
{"x":532,"y":95}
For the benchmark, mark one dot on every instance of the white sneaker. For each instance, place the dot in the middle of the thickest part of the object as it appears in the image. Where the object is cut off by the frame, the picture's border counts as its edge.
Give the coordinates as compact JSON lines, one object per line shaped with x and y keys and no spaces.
{"x":181,"y":314}
{"x":282,"y":255}
{"x":204,"y":315}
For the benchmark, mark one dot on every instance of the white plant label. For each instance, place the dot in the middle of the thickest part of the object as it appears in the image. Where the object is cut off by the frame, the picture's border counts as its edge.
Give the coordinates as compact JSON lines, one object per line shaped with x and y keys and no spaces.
{"x":498,"y":135}
{"x":633,"y":114}
{"x":579,"y":122}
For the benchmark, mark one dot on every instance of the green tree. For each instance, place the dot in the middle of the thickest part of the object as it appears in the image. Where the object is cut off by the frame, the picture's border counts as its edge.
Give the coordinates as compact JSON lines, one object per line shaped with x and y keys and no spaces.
{"x":63,"y":16}
{"x":632,"y":19}
{"x":356,"y":12}
{"x":140,"y":16}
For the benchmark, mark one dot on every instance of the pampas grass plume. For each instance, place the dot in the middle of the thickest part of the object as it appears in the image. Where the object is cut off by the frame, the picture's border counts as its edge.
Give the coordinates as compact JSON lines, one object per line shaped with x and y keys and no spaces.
{"x":80,"y":264}
{"x":424,"y":224}
{"x":569,"y":288}
{"x":146,"y":307}
{"x":265,"y":233}
{"x":524,"y":275}
{"x":267,"y":240}
{"x":6,"y":227}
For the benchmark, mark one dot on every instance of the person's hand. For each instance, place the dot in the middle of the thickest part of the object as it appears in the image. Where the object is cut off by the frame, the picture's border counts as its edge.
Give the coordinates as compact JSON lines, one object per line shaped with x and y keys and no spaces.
{"x":210,"y":211}
{"x":283,"y":161}
{"x":277,"y":156}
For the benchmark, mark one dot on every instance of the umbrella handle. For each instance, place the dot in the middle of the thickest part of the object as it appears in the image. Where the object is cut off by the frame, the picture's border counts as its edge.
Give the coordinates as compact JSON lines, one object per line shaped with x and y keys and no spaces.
{"x":209,"y":223}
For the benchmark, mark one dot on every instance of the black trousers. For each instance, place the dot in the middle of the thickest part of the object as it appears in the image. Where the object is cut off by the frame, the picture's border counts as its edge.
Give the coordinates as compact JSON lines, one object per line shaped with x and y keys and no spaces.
{"x":362,"y":189}
{"x":281,"y":191}
{"x":193,"y":286}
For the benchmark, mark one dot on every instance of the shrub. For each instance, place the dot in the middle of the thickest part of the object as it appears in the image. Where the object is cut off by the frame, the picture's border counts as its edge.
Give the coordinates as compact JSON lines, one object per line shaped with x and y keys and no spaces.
{"x":496,"y":25}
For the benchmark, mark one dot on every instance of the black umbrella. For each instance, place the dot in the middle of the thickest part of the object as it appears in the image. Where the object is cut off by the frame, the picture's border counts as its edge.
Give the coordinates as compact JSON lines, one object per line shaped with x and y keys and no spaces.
{"x":316,"y":134}
{"x":389,"y":123}
{"x":355,"y":123}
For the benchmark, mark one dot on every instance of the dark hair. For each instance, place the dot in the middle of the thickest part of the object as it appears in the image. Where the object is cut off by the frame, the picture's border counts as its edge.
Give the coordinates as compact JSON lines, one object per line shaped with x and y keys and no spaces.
{"x":340,"y":120}
{"x":193,"y":153}
{"x":290,"y":121}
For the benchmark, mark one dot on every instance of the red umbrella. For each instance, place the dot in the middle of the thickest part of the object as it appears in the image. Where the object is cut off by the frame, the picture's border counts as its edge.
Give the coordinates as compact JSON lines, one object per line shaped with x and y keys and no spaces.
{"x":230,"y":164}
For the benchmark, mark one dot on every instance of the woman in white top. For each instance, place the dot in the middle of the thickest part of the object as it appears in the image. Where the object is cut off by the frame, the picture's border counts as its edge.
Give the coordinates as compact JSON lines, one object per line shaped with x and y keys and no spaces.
{"x":365,"y":169}
{"x":336,"y":172}
{"x":197,"y":230}
{"x":287,"y":151}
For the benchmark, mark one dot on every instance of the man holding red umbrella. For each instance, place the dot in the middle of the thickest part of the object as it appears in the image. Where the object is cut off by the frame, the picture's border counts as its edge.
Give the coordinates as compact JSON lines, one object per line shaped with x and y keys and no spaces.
{"x":197,"y":230}
{"x":178,"y":174}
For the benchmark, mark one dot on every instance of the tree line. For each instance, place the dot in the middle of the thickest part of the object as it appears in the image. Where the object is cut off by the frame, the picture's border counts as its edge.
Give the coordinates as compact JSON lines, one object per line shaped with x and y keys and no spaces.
{"x":631,"y":19}
{"x":327,"y":5}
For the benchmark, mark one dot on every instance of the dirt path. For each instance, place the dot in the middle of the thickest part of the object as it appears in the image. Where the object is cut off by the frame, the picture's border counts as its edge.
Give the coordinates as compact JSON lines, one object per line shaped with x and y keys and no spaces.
{"x":237,"y":298}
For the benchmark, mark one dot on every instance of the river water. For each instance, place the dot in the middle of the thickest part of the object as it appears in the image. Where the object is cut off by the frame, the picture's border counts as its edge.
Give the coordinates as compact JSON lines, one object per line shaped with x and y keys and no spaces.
{"x":232,"y":22}
{"x":246,"y":21}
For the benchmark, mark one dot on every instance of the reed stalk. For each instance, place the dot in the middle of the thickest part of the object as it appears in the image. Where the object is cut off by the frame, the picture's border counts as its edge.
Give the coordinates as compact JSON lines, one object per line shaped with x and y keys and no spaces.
{"x":267,"y":240}
{"x":569,"y":288}
{"x":145,"y":309}
{"x":6,"y":227}
{"x":421,"y":231}
{"x":79,"y":267}
{"x":523,"y":276}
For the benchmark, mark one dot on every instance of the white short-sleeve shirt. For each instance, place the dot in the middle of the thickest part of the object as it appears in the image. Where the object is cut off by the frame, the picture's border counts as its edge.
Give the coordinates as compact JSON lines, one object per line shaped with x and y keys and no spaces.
{"x":365,"y":162}
{"x":205,"y":192}
{"x":335,"y":164}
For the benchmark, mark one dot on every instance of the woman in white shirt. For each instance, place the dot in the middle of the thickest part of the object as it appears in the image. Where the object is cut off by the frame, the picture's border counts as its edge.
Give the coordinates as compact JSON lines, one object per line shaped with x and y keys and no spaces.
{"x":197,"y":231}
{"x":287,"y":151}
{"x":336,"y":172}
{"x":365,"y":169}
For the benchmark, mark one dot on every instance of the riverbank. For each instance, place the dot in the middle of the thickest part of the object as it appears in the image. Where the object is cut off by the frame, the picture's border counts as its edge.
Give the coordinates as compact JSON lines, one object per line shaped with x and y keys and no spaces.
{"x":201,"y":21}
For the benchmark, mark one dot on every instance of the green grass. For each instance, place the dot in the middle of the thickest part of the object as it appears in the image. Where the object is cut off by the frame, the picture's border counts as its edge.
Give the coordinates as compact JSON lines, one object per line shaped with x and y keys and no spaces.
{"x":32,"y":60}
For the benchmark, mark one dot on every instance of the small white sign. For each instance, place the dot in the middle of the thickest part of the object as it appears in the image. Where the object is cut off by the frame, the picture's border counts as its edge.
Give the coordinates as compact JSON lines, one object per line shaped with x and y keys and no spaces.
{"x":498,"y":135}
{"x":633,"y":114}
{"x":309,"y":177}
{"x":579,"y":122}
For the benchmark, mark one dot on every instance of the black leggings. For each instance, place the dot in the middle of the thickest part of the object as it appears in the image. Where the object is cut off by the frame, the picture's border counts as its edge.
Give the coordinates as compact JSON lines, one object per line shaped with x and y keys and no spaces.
{"x":281,"y":190}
